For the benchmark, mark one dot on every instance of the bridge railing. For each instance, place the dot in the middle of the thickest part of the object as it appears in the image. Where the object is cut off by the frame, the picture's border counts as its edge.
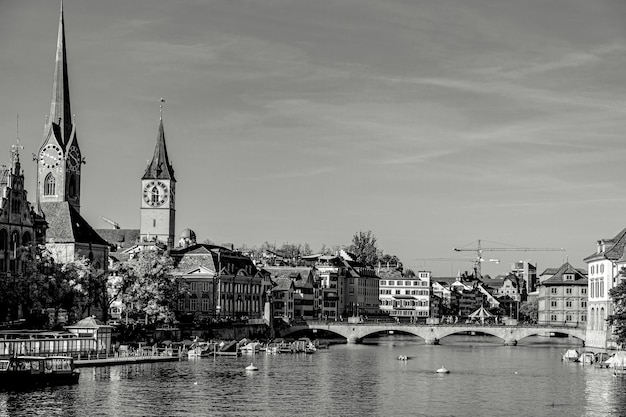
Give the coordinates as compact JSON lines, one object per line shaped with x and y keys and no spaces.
{"x":402,"y":324}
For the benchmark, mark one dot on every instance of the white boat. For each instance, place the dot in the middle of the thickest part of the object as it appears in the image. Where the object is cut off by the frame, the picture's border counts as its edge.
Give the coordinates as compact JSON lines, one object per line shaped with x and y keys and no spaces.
{"x":587,"y":358}
{"x":570,"y":355}
{"x":251,"y":348}
{"x":199,"y":349}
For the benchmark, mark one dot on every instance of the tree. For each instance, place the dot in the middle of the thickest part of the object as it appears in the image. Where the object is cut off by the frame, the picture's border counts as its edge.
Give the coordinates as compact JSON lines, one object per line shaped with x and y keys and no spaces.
{"x":529,"y":310}
{"x":618,"y":318}
{"x":147,"y":287}
{"x":364,"y":248}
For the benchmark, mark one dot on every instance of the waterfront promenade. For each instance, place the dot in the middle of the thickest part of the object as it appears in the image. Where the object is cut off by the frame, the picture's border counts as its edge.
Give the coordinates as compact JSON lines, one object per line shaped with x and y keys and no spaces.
{"x":510,"y":335}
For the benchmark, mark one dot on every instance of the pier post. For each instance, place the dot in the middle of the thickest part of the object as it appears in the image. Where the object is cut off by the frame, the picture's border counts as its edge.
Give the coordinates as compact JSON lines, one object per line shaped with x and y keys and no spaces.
{"x":431,"y":341}
{"x":510,"y":342}
{"x":352,"y":339}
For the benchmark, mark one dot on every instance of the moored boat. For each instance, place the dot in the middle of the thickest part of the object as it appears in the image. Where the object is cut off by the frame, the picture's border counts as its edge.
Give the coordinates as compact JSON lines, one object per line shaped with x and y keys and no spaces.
{"x":570,"y":355}
{"x":32,"y":371}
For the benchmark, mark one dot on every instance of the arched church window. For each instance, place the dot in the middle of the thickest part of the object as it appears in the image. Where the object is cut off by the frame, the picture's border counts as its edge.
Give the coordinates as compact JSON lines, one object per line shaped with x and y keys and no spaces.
{"x":72,"y":186}
{"x":154,"y":195}
{"x":26,"y":239}
{"x":49,"y":185}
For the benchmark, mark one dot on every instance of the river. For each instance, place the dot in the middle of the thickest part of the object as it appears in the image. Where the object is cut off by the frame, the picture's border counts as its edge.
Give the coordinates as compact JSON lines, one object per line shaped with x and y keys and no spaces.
{"x":485,"y":379}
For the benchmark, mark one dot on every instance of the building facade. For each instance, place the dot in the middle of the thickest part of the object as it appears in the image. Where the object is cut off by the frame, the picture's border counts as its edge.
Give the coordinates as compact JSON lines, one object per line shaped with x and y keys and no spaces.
{"x":603,"y":273}
{"x":406,"y":297}
{"x":221,"y":283}
{"x":562,"y":299}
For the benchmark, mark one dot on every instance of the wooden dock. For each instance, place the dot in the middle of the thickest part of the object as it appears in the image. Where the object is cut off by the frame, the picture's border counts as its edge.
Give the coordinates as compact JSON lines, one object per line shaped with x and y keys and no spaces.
{"x":124,"y":360}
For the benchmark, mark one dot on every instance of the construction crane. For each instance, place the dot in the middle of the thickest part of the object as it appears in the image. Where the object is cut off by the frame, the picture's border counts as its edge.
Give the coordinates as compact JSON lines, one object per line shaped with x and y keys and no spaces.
{"x":111,"y":222}
{"x":479,"y":249}
{"x":457,"y":260}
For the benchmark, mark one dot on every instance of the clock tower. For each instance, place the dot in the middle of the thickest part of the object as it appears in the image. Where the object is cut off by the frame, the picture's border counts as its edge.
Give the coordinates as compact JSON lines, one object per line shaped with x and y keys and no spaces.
{"x":158,"y":186}
{"x":59,"y":158}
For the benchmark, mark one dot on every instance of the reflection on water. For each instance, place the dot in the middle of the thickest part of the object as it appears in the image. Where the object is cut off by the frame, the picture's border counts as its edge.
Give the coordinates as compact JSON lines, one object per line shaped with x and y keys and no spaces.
{"x":486,"y":379}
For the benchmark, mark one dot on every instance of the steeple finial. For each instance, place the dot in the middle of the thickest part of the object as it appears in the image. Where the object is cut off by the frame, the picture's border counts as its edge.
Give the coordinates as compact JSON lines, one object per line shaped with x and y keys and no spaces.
{"x":161,"y":108}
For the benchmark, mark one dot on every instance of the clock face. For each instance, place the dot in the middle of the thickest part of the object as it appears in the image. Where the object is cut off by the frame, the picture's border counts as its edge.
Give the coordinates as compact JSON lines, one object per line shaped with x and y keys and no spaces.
{"x":51,"y":156}
{"x":155,"y":193}
{"x":73,"y":159}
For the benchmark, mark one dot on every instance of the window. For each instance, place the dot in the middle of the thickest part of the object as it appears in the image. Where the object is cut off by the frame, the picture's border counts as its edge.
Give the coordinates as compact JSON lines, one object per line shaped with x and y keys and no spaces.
{"x":193,"y":286}
{"x":553,"y":303}
{"x":568,"y":291}
{"x":553,"y":290}
{"x":383,"y":282}
{"x":601,"y":269}
{"x":583,"y":304}
{"x":49,"y":185}
{"x":568,"y":304}
{"x":205,"y":304}
{"x":193,"y":304}
{"x":568,"y":317}
{"x":583,"y":290}
{"x":73,"y":190}
{"x":153,"y":222}
{"x":397,"y":292}
{"x":205,"y":286}
{"x":553,"y":317}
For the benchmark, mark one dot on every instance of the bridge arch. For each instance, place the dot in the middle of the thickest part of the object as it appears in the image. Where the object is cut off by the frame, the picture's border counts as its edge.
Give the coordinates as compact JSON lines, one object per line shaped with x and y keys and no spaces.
{"x":355,"y":332}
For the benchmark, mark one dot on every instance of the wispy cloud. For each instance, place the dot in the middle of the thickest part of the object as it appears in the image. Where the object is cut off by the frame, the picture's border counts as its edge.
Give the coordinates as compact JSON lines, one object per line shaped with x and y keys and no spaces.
{"x":293,"y":174}
{"x":568,"y":60}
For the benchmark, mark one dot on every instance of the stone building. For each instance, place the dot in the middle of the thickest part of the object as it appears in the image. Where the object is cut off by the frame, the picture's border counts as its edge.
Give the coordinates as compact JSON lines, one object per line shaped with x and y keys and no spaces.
{"x":603,"y":274}
{"x":562,"y":299}
{"x":222,"y":283}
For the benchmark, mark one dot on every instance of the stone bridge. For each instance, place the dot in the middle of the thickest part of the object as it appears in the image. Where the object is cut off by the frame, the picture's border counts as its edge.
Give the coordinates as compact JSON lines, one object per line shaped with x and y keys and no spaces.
{"x":355,"y":332}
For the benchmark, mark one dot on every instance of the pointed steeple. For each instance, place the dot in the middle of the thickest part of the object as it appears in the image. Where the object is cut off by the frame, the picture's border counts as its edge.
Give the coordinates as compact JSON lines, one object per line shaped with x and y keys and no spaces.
{"x":60,"y":118}
{"x":159,"y":167}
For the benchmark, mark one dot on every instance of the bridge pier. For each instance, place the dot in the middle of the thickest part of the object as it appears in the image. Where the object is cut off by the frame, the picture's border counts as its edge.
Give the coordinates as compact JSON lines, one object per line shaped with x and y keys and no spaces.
{"x":510,"y":342}
{"x":431,"y":341}
{"x":352,"y":340}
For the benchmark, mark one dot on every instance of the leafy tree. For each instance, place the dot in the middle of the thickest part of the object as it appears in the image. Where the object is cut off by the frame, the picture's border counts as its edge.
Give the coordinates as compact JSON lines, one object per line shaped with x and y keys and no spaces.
{"x":364,"y":248}
{"x":44,"y":283}
{"x":147,"y":287}
{"x":529,"y":310}
{"x":618,"y":318}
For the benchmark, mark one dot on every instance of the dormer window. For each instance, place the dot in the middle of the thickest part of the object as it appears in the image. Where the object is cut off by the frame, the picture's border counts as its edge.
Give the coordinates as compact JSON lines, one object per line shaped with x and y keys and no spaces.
{"x":568,"y":277}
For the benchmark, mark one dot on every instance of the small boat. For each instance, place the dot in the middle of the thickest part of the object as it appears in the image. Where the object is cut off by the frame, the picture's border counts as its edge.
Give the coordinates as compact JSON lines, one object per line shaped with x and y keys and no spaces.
{"x":251,"y":348}
{"x":587,"y":358}
{"x":228,"y":349}
{"x":31,"y":371}
{"x":251,"y":367}
{"x":403,"y":358}
{"x":201,"y":349}
{"x":570,"y":355}
{"x":442,"y":370}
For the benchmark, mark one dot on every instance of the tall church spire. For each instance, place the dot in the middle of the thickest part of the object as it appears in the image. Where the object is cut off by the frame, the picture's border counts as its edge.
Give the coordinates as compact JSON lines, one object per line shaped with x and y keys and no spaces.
{"x":159,"y":167}
{"x":60,"y":118}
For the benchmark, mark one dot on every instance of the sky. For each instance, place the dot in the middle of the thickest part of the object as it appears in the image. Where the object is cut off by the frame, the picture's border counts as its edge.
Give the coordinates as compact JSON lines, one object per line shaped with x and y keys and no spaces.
{"x":431,"y":123}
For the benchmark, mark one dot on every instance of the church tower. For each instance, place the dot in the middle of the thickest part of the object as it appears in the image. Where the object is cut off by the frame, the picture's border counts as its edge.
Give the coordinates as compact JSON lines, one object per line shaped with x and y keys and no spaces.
{"x":158,"y":186}
{"x":59,"y":159}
